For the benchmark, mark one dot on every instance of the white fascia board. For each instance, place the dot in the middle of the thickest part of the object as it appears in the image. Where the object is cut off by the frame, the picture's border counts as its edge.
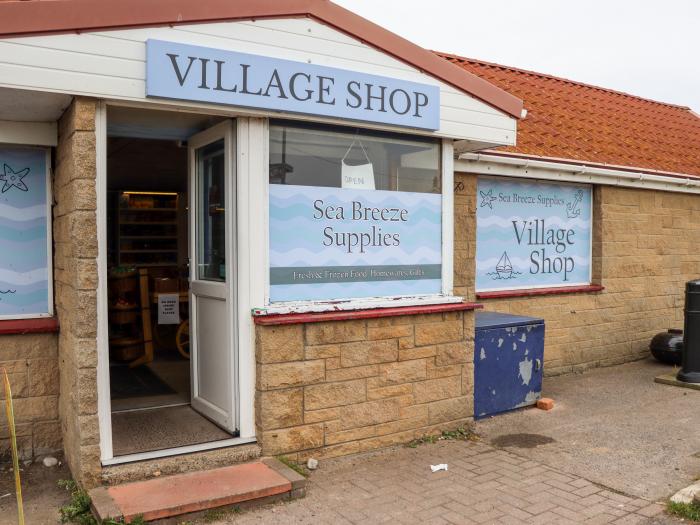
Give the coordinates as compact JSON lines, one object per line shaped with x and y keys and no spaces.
{"x":28,"y":133}
{"x":485,"y":164}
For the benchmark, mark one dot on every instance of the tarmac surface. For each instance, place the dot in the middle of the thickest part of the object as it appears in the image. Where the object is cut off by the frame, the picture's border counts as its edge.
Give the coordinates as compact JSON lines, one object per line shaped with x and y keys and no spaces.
{"x":613,"y":426}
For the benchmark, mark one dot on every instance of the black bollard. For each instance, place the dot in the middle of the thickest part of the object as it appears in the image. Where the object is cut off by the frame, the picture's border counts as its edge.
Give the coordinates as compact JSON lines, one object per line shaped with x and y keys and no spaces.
{"x":690,"y":370}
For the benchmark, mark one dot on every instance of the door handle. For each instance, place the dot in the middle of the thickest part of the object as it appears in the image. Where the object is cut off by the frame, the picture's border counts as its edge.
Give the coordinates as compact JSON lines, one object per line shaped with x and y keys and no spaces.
{"x":538,"y":364}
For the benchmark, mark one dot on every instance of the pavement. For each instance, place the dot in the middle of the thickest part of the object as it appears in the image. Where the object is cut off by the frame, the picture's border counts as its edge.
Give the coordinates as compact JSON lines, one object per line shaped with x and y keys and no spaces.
{"x":613,"y":426}
{"x":482,"y":485}
{"x":613,"y":449}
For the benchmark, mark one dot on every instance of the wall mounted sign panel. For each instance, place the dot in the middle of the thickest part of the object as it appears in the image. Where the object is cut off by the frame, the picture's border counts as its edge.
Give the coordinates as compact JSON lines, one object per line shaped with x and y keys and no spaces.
{"x":532,"y":234}
{"x":333,"y":243}
{"x":187,"y":72}
{"x":24,"y":236}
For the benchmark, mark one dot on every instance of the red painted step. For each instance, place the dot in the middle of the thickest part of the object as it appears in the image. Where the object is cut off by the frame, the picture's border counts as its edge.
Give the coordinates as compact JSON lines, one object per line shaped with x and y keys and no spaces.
{"x":168,"y":496}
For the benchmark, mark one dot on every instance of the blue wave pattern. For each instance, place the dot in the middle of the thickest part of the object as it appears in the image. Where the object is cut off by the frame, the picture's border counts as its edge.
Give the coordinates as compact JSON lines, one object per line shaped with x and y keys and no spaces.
{"x":297,"y":239}
{"x":561,"y":206}
{"x":23,"y":233}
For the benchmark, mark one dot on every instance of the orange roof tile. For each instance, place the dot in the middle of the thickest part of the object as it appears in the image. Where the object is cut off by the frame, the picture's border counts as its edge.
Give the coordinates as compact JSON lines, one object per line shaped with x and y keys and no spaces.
{"x":571,"y":120}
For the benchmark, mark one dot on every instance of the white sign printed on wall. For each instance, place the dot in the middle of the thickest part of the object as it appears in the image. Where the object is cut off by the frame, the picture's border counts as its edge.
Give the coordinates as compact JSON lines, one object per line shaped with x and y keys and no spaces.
{"x":532,"y":234}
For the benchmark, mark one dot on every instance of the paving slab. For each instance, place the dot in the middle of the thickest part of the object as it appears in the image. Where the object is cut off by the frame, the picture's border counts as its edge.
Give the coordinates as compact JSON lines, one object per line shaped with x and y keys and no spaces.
{"x":181,"y":494}
{"x":614,"y":426}
{"x":483,"y":484}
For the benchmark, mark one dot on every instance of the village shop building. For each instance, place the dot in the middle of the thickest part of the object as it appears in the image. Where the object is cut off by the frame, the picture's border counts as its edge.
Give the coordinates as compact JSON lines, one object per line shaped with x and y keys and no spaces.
{"x":639,"y":161}
{"x":234,"y":227}
{"x":246,"y":228}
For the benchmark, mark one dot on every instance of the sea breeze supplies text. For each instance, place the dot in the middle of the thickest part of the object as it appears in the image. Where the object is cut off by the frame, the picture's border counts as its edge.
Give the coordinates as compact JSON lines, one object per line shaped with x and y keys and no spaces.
{"x":359,"y":241}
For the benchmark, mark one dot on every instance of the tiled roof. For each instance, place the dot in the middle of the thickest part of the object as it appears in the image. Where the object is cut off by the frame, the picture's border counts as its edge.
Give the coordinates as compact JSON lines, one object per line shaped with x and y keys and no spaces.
{"x":572,"y":120}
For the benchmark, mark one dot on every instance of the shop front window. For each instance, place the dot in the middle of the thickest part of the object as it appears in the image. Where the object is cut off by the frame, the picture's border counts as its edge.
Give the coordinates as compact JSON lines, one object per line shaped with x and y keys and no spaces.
{"x":353,"y":214}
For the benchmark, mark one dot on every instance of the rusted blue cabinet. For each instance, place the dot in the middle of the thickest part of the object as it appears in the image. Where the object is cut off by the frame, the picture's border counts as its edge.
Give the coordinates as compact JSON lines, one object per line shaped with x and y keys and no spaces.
{"x":508,"y":356}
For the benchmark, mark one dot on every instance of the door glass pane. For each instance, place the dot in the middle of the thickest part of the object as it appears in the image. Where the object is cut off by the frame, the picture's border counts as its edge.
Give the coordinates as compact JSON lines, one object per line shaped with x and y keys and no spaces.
{"x":211,"y":214}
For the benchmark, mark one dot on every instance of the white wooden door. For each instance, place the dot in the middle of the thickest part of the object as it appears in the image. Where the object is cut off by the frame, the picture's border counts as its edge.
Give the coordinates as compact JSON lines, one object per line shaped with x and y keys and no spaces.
{"x":212,"y":275}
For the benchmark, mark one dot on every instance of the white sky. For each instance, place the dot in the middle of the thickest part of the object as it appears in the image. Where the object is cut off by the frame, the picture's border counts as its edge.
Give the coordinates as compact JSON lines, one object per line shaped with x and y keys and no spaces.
{"x":643,"y":47}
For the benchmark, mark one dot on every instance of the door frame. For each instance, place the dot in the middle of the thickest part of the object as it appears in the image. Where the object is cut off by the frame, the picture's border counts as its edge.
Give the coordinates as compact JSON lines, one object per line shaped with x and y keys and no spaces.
{"x":251,"y":180}
{"x":224,"y":130}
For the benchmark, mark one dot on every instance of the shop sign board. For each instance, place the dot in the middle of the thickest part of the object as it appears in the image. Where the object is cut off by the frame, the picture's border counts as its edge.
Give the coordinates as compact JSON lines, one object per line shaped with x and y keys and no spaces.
{"x":187,"y":72}
{"x":348,"y":243}
{"x":532,"y":234}
{"x":24,"y":236}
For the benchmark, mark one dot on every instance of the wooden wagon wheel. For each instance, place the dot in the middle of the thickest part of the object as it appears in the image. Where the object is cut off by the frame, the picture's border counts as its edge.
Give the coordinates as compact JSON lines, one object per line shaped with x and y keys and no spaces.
{"x":182,"y":339}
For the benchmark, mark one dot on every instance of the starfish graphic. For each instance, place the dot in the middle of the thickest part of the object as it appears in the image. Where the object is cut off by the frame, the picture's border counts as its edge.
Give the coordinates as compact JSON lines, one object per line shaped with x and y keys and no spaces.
{"x":487,"y":199}
{"x":14,"y":178}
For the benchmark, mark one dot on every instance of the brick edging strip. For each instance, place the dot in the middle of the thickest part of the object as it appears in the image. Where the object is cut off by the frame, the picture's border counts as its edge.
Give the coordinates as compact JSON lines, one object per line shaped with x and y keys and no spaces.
{"x":41,"y":325}
{"x":540,"y":291}
{"x":371,"y":313}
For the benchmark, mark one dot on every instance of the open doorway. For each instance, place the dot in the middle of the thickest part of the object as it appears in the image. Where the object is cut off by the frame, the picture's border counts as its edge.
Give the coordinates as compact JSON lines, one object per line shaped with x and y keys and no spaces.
{"x":151,"y":336}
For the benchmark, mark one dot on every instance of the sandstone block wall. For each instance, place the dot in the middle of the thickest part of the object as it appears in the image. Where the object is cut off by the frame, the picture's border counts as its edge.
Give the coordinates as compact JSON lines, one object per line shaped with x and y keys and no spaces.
{"x":75,"y":274}
{"x":31,"y":364}
{"x":334,"y":388}
{"x":645,"y":248}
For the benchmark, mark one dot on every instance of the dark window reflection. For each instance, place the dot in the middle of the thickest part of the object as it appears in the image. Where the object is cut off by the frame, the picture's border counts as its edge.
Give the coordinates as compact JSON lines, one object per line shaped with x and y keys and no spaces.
{"x":352,"y":158}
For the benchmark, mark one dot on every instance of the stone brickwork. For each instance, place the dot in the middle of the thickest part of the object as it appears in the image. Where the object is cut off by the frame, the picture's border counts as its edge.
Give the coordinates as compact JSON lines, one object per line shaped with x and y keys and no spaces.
{"x":333,"y":388}
{"x":31,"y":364}
{"x":644,"y":250}
{"x":75,"y":274}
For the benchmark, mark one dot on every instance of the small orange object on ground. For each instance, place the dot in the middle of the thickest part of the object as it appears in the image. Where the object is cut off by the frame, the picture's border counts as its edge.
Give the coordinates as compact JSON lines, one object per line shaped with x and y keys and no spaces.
{"x":545,"y":403}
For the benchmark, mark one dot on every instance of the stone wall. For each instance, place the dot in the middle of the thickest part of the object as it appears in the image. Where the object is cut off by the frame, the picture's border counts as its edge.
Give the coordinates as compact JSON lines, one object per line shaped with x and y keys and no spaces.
{"x":644,"y":250}
{"x":339,"y":387}
{"x":30,"y":361}
{"x":75,"y":274}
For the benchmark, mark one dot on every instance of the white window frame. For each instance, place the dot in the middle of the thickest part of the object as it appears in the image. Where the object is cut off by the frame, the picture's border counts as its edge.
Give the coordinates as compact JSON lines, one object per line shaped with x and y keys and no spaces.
{"x":542,"y":286}
{"x":49,"y":237}
{"x":445,"y":297}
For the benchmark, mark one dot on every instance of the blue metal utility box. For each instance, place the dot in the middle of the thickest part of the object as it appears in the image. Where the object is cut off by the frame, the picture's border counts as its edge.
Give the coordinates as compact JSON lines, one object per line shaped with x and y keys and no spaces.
{"x":508,"y":356}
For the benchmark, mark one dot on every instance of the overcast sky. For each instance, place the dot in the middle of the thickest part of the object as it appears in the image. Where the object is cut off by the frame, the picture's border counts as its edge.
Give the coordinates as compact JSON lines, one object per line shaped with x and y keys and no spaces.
{"x":643,"y":47}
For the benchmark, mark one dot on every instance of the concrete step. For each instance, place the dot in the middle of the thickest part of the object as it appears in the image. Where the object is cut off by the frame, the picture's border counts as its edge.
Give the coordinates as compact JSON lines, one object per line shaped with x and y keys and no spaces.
{"x":165,"y":466}
{"x":163,"y":497}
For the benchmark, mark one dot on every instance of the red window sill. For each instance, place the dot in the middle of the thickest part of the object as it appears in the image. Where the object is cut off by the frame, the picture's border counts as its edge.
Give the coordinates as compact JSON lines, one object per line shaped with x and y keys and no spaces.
{"x":41,"y":325}
{"x":501,"y":294}
{"x":373,"y":313}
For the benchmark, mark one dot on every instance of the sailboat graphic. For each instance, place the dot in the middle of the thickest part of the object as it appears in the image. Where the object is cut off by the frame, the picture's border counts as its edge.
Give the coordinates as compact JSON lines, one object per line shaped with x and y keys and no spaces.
{"x":504,"y":268}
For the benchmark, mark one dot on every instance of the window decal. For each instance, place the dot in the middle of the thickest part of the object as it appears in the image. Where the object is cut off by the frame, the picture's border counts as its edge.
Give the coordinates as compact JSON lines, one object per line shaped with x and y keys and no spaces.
{"x":532,"y":234}
{"x":24,"y":236}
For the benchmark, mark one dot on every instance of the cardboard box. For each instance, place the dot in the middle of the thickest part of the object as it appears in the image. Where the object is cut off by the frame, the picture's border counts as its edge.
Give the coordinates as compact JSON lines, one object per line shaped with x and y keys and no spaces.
{"x":165,"y":285}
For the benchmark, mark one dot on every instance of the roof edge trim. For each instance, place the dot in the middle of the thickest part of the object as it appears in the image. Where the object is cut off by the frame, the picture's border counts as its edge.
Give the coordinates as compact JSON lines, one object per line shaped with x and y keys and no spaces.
{"x":587,"y":163}
{"x":24,"y":18}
